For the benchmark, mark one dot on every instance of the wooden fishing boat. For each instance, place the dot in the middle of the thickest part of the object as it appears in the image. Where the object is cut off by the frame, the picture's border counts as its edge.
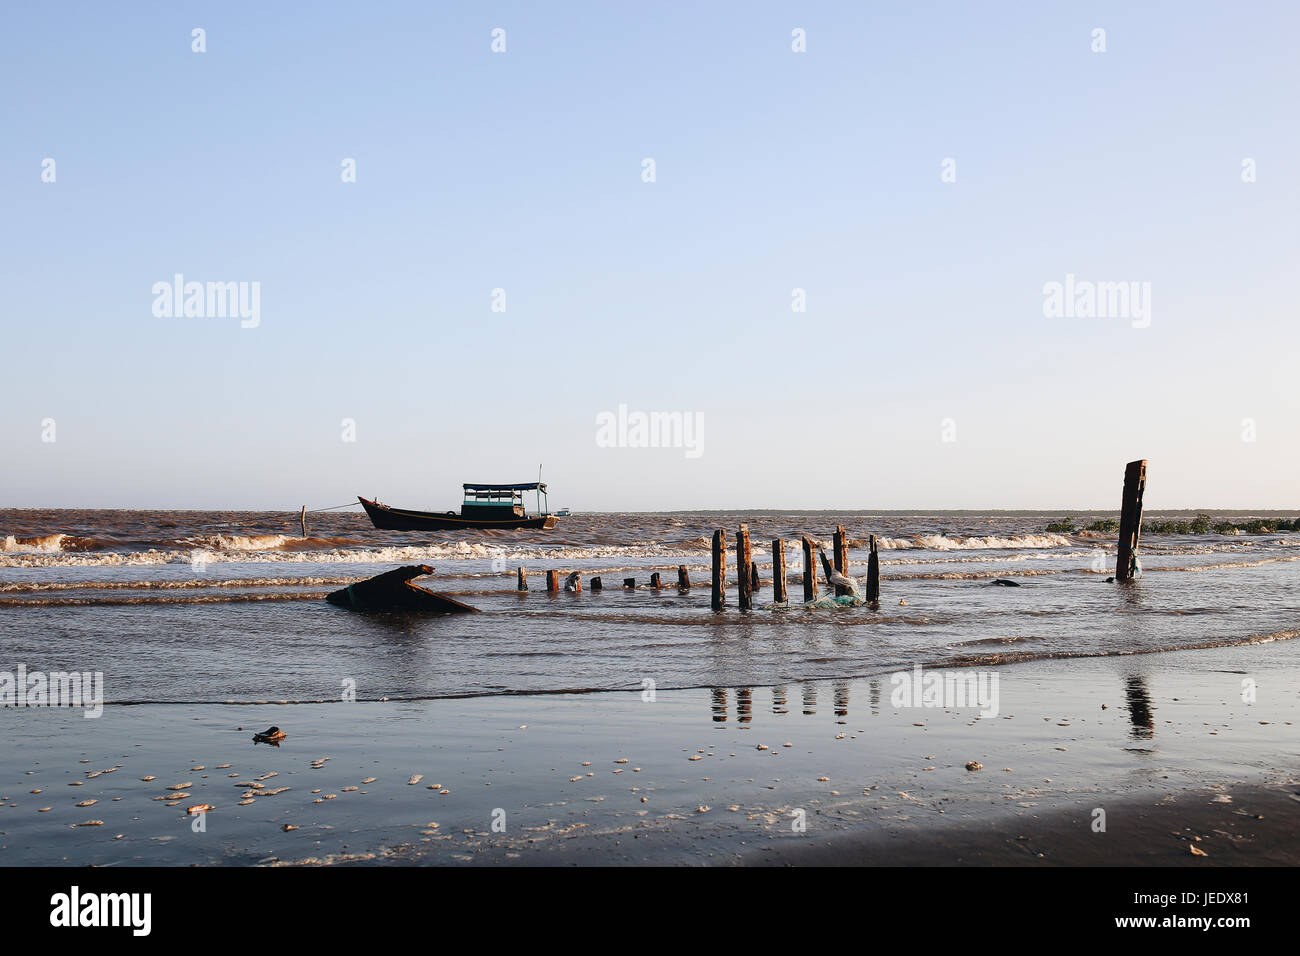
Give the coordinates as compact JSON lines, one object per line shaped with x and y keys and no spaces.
{"x":485,"y":506}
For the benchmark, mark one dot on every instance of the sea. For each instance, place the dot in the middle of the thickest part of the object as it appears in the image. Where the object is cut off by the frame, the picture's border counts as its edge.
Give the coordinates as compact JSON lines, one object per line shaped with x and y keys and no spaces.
{"x":215,"y":607}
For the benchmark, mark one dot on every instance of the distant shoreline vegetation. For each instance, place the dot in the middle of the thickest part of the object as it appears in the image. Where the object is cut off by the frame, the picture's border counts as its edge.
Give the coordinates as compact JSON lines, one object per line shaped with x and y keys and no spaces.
{"x":1201,"y":524}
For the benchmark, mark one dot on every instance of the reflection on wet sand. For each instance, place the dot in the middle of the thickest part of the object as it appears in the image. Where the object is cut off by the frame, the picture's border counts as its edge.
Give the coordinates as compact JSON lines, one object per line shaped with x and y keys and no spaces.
{"x":1140,"y":709}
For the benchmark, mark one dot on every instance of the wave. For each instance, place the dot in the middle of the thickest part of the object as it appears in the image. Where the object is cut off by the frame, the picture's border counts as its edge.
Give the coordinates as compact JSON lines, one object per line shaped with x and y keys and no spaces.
{"x":44,"y":544}
{"x":941,"y":542}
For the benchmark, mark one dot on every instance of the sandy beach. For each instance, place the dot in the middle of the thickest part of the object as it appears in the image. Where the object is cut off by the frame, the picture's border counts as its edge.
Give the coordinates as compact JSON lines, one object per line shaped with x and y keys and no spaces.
{"x":813,"y":772}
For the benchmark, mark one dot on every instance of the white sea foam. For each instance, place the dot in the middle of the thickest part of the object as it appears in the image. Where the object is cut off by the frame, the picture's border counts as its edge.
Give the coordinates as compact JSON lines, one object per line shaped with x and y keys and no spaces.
{"x":45,"y":544}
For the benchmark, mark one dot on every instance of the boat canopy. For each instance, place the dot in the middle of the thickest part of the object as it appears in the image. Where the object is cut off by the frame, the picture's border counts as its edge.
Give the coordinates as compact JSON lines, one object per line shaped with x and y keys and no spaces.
{"x":522,"y":486}
{"x":501,"y":495}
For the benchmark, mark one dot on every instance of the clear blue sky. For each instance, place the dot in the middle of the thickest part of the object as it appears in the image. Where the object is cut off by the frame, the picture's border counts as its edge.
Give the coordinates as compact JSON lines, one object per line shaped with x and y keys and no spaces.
{"x":775,"y":170}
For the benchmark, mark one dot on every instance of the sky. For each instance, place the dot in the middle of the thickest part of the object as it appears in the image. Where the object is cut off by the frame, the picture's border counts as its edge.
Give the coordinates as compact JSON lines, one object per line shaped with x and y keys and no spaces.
{"x":504,"y":273}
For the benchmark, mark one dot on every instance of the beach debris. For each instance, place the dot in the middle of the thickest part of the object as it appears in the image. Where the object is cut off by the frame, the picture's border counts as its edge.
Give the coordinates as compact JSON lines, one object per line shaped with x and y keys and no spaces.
{"x":199,"y":767}
{"x":247,"y":803}
{"x":443,"y":793}
{"x":974,"y":765}
{"x":349,"y":789}
{"x":415,"y":778}
{"x":272,"y":735}
{"x":223,"y":766}
{"x":100,"y":823}
{"x":267,"y":776}
{"x":394,"y":591}
{"x":1197,"y":851}
{"x":761,"y":747}
{"x":181,"y":786}
{"x":77,"y":783}
{"x":199,"y":808}
{"x":370,"y":780}
{"x":1005,"y":583}
{"x":44,"y":809}
{"x":87,"y":803}
{"x":823,"y":779}
{"x":36,"y":790}
{"x":703,"y":809}
{"x":622,"y":760}
{"x":288,"y":827}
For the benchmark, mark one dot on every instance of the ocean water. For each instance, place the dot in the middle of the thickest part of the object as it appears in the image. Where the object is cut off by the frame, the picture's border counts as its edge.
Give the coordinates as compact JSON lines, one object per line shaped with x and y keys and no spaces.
{"x":216,"y":606}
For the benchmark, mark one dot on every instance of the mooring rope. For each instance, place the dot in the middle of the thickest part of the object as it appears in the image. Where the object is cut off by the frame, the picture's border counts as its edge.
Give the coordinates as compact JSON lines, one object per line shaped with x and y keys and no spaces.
{"x":350,"y":504}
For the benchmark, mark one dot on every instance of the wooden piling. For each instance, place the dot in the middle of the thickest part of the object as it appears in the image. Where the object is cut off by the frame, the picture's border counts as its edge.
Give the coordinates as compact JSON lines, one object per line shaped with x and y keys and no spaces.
{"x":809,"y":571}
{"x":577,"y":584}
{"x":522,"y":583}
{"x":302,"y":517}
{"x":629,"y":583}
{"x":1130,"y":520}
{"x":552,"y":580}
{"x":841,"y":555}
{"x":683,"y":578}
{"x":826,"y":567}
{"x":596,"y":584}
{"x":654,"y":581}
{"x":719,"y":569}
{"x":778,"y":572}
{"x":744,"y":578}
{"x":873,"y":574}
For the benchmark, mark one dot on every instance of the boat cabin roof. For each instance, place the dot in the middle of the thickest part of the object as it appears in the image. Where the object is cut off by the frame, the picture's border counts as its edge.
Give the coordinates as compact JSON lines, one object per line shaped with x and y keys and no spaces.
{"x":522,"y":486}
{"x":501,"y":493}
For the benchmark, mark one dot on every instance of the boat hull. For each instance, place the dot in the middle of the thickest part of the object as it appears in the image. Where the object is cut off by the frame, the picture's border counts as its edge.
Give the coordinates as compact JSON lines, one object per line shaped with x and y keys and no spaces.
{"x":399,"y":519}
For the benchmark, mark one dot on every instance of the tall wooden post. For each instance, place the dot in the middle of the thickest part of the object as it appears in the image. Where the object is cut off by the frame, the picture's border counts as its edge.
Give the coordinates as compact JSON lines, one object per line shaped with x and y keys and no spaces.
{"x":597,"y":584}
{"x":841,"y":552}
{"x":809,"y":571}
{"x":552,"y":580}
{"x":873,"y":574}
{"x":629,"y":583}
{"x":744,"y":580}
{"x":683,"y":578}
{"x":753,"y":577}
{"x":778,"y":571}
{"x":826,"y":567}
{"x":719,"y":569}
{"x":1130,"y":520}
{"x":522,"y":584}
{"x":654,"y":581}
{"x":302,"y":517}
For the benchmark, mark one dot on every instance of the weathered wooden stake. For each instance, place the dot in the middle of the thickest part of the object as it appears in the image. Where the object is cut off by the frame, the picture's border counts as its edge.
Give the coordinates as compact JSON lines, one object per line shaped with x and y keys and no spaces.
{"x":577,"y":582}
{"x":753,"y":576}
{"x":654,"y":581}
{"x":1130,"y":520}
{"x":826,"y":567}
{"x":778,"y":571}
{"x":522,"y":584}
{"x":841,"y":554}
{"x":719,"y":569}
{"x":744,"y":579}
{"x":596,"y":584}
{"x":552,"y":580}
{"x":809,"y":571}
{"x":302,"y":517}
{"x":873,"y":574}
{"x":683,"y":578}
{"x":629,"y":583}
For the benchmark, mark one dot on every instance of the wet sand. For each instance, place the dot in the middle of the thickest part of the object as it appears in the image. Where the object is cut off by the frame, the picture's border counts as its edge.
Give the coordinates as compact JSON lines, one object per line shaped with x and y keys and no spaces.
{"x":1163,"y":743}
